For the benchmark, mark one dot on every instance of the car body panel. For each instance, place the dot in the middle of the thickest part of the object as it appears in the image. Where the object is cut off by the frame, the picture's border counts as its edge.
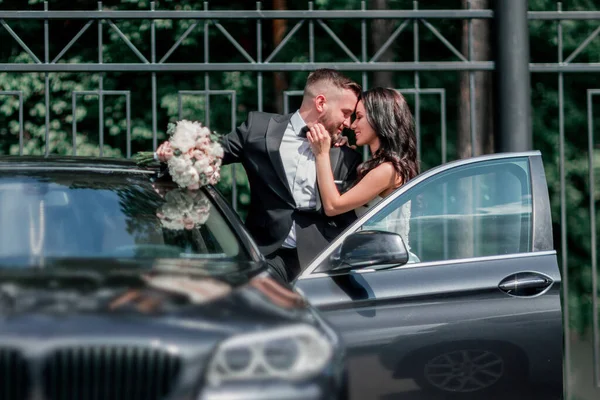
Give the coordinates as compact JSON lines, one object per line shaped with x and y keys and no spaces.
{"x":403,"y":322}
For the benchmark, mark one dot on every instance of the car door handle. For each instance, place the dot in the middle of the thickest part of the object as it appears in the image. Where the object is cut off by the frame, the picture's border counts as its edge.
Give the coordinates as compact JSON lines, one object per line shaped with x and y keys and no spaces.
{"x":525,"y":284}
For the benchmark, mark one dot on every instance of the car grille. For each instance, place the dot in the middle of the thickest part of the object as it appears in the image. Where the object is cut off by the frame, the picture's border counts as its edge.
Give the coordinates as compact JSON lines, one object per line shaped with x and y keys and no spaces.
{"x":110,"y":373}
{"x":14,"y":375}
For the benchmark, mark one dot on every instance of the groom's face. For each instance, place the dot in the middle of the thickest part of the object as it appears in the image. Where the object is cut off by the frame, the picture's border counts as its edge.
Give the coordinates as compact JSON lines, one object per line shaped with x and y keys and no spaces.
{"x":338,"y":113}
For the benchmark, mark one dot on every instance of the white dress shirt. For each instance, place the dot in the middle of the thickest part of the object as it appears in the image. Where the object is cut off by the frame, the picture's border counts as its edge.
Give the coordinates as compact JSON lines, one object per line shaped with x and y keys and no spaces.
{"x":300,"y":169}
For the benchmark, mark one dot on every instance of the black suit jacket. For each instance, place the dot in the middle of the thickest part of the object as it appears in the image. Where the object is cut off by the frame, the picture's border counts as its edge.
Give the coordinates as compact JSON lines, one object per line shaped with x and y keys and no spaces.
{"x":255,"y":144}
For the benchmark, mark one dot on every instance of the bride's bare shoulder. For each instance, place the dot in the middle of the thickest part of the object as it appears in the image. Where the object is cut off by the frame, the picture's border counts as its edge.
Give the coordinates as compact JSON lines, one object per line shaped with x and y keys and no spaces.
{"x":385,"y":168}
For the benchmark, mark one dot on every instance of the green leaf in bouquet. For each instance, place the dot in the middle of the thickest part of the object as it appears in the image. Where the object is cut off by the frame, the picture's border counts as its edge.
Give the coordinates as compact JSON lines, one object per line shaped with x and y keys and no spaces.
{"x":171,"y":128}
{"x":144,"y":158}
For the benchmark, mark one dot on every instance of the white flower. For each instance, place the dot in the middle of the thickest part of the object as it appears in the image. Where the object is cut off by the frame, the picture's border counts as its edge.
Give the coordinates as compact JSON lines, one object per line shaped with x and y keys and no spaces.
{"x":192,"y":173}
{"x":177,"y":165}
{"x":215,"y":178}
{"x":216,"y":150}
{"x":184,"y":209}
{"x":184,"y":137}
{"x":204,"y":132}
{"x":201,"y":165}
{"x":202,"y":142}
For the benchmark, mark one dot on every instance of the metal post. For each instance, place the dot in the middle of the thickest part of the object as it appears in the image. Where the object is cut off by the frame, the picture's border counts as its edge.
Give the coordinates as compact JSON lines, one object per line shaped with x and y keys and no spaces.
{"x":47,"y":82}
{"x":154,"y":83}
{"x":513,"y":91}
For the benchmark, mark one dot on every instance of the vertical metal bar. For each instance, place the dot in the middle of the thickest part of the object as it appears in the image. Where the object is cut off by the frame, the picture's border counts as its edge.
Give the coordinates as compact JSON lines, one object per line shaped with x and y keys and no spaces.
{"x":74,"y":122}
{"x":118,"y":360}
{"x":513,"y":122}
{"x":472,"y":104}
{"x":5,"y":360}
{"x":563,"y":211}
{"x":207,"y":104}
{"x":473,"y":125}
{"x":444,"y":151}
{"x":444,"y":128}
{"x":63,"y":359}
{"x":97,"y":357}
{"x":234,"y":191}
{"x":593,"y":239}
{"x":417,"y":83}
{"x":100,"y":86}
{"x":47,"y":80}
{"x":128,"y":354}
{"x":21,"y":123}
{"x":128,"y":121}
{"x":206,"y":74}
{"x":311,"y":36}
{"x":154,"y":88}
{"x":417,"y":114}
{"x":179,"y":106}
{"x":363,"y":42}
{"x":259,"y":82}
{"x":363,"y":46}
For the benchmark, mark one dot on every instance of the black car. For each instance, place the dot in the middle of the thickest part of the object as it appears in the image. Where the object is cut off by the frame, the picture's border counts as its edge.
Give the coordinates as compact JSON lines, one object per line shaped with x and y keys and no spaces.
{"x":448,"y":288}
{"x":117,"y":285}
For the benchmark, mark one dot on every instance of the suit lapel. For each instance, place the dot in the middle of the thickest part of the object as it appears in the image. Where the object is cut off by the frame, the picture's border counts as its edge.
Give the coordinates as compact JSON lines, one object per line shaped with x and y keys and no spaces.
{"x":275,"y":130}
{"x":334,"y":156}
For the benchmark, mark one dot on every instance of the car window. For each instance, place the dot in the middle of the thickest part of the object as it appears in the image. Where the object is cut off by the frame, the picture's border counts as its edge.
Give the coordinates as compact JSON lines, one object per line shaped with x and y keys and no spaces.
{"x":483,"y":209}
{"x":108,"y":215}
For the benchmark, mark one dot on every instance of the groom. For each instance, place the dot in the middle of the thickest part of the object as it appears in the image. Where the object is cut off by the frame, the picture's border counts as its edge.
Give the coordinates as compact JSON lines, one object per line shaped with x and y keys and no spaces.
{"x":285,"y":215}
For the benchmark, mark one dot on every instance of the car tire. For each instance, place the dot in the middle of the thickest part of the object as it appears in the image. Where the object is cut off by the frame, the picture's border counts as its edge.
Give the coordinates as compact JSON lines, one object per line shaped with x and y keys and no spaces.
{"x":468,"y":370}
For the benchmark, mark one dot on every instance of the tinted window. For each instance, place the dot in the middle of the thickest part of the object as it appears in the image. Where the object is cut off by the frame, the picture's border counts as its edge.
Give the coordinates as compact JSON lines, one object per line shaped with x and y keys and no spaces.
{"x":479,"y":210}
{"x":108,"y":215}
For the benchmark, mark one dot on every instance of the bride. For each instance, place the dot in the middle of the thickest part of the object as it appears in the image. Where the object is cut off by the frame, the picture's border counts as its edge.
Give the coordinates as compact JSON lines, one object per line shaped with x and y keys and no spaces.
{"x":383,"y":122}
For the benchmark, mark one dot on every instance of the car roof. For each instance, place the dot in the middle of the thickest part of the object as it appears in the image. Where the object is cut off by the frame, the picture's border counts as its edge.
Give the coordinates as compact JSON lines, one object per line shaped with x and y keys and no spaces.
{"x":72,"y":163}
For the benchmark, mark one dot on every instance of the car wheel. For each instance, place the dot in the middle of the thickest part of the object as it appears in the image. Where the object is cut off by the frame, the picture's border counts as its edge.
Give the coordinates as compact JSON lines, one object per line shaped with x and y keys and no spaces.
{"x":467,"y":371}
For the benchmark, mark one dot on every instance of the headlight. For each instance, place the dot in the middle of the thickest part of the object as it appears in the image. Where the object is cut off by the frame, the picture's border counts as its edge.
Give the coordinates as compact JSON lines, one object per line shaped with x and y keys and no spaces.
{"x":292,"y":353}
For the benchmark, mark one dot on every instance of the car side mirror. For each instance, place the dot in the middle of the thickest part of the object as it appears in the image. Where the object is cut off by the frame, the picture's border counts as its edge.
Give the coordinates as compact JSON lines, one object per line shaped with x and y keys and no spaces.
{"x":371,"y":249}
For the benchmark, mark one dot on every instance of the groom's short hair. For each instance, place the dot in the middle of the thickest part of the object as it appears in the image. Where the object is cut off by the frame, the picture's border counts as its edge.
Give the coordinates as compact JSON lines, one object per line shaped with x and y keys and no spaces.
{"x":327,"y":75}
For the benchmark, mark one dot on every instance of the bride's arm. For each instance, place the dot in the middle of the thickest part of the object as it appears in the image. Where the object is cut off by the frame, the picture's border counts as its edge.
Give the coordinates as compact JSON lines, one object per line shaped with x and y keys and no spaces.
{"x":375,"y":182}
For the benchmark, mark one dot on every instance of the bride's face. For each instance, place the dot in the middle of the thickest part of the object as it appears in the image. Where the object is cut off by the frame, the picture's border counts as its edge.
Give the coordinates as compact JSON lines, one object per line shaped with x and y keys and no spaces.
{"x":363,"y":131}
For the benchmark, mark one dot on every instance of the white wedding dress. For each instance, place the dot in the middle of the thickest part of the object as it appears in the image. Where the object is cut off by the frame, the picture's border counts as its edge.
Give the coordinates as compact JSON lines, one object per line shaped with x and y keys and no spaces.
{"x":398,"y":221}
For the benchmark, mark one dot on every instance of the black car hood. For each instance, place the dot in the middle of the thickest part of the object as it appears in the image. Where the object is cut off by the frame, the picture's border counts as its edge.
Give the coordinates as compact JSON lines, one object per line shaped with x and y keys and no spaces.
{"x":143,"y":299}
{"x":153,"y":323}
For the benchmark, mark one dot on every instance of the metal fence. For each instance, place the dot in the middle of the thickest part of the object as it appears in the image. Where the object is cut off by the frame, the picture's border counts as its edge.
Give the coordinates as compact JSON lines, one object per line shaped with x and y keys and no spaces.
{"x":366,"y":61}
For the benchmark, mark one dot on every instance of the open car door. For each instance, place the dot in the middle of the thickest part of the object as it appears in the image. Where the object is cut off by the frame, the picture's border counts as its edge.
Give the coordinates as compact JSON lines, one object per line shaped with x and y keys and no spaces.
{"x":450,"y":286}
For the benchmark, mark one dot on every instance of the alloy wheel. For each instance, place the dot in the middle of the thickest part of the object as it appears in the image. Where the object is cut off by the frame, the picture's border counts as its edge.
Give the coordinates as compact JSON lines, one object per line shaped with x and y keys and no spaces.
{"x":464,"y":371}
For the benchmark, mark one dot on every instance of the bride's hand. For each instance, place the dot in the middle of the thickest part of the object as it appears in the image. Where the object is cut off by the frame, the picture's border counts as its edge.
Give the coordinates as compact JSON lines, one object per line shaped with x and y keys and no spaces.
{"x":319,"y":139}
{"x":164,"y":152}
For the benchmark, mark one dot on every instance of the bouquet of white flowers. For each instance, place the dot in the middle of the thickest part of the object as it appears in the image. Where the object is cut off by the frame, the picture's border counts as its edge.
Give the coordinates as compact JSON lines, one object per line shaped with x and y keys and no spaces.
{"x":192,"y":154}
{"x":183,"y":209}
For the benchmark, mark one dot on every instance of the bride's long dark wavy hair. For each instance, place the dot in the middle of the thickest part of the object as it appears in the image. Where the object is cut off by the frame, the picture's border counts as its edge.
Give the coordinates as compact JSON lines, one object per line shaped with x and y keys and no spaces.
{"x":390,"y":116}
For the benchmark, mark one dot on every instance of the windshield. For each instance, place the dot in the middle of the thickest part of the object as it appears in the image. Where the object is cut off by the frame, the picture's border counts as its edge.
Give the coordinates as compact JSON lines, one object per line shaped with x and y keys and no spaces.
{"x":108,"y":215}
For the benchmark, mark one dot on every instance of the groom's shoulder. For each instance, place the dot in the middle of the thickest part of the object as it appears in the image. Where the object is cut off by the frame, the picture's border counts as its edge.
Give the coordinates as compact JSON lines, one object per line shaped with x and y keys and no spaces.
{"x":260,"y":119}
{"x":262,"y":116}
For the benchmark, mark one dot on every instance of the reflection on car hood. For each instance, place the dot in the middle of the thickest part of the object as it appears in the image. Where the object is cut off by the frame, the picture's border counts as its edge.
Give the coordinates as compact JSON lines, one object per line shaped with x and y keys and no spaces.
{"x":87,"y":296}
